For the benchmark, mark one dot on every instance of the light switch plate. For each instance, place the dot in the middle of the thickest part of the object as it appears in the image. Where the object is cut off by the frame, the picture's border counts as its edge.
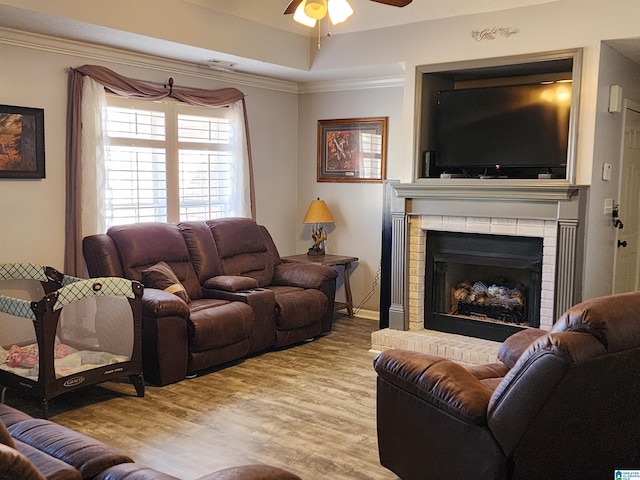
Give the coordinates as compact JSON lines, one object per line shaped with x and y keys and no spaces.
{"x":606,"y":171}
{"x":608,"y":206}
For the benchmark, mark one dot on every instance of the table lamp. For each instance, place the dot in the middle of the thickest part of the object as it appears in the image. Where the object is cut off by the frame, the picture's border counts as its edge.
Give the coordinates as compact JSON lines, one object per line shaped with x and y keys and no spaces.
{"x":318,"y":213}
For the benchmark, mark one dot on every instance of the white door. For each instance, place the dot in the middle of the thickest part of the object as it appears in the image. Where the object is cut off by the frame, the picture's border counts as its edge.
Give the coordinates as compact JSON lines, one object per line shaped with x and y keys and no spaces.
{"x":627,"y":244}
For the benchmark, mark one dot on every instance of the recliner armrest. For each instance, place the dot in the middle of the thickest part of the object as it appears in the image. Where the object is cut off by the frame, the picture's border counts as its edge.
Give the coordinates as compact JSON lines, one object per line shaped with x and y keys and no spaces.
{"x":440,"y":382}
{"x":514,"y":346}
{"x":158,"y":303}
{"x":304,"y":275}
{"x":231,"y":283}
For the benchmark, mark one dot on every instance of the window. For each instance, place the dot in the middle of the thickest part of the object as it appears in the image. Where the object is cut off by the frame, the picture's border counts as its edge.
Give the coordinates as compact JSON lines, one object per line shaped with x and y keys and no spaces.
{"x":167,"y":162}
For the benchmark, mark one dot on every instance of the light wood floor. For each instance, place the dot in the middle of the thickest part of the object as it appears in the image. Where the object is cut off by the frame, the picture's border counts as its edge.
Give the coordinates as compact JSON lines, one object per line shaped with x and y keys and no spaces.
{"x":309,"y":409}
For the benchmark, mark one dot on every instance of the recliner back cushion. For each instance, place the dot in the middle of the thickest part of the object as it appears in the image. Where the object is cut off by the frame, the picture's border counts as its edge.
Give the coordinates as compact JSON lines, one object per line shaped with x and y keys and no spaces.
{"x":143,"y":245}
{"x":541,"y":369}
{"x":614,"y":320}
{"x":202,"y":249}
{"x":566,"y":395}
{"x":242,"y":249}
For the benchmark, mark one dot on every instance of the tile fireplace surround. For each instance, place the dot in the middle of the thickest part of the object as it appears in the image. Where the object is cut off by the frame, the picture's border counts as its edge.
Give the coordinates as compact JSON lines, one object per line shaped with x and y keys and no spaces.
{"x":548,"y":209}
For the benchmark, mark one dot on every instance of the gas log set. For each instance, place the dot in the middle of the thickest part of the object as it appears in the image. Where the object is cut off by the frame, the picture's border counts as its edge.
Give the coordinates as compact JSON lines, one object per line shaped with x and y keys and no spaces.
{"x":499,"y":300}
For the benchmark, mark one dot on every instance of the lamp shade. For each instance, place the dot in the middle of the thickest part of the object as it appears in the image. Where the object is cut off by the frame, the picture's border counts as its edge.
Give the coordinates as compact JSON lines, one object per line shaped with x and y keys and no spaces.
{"x":318,"y":212}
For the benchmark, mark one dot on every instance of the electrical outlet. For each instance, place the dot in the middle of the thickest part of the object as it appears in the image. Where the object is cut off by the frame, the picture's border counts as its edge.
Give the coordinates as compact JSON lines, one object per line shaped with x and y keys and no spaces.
{"x":608,"y":206}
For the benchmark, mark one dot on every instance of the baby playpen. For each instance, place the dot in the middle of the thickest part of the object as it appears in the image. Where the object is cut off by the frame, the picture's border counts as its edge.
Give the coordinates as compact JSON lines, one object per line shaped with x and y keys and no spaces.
{"x":59,"y":333}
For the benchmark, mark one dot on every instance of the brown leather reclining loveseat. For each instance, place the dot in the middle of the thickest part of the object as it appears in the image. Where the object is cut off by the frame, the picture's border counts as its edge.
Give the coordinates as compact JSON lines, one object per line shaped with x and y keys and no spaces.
{"x":561,"y":404}
{"x":233,"y":295}
{"x":37,"y":449}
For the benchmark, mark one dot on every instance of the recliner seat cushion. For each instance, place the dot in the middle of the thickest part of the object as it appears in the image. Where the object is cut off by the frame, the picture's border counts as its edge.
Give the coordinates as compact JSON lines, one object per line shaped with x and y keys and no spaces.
{"x":218,"y":323}
{"x":298,"y":307}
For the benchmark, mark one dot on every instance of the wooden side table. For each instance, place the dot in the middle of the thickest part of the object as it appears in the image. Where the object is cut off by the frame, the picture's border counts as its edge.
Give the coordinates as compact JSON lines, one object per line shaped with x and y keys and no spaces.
{"x":331,"y":261}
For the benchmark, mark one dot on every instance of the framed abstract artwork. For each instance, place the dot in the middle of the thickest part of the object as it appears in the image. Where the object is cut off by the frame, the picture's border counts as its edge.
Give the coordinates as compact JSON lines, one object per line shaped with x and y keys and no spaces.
{"x":21,"y":142}
{"x":352,"y":150}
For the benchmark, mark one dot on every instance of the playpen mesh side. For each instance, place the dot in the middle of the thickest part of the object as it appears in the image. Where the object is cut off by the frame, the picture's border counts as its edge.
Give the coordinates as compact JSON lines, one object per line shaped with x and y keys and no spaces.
{"x":94,"y":325}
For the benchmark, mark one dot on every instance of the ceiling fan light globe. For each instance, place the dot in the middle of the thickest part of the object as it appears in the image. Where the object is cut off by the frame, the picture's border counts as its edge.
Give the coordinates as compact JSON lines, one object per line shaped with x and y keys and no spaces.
{"x":316,"y":9}
{"x":339,"y":11}
{"x":300,"y":17}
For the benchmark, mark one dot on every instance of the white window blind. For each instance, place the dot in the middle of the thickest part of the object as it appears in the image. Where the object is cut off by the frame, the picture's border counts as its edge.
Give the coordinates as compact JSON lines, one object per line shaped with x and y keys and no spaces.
{"x":166,"y":162}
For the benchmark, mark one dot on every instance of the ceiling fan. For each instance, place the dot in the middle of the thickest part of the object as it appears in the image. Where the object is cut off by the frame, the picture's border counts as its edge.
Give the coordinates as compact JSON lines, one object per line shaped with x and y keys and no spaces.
{"x":308,"y":12}
{"x":291,"y":8}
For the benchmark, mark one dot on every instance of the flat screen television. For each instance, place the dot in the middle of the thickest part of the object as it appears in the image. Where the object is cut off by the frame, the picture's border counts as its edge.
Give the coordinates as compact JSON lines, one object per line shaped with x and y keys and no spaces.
{"x":517,"y":131}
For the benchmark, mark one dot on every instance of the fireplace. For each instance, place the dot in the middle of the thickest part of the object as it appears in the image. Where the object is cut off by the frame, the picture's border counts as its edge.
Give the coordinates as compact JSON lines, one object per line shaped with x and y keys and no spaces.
{"x":550,"y":212}
{"x":482,"y":285}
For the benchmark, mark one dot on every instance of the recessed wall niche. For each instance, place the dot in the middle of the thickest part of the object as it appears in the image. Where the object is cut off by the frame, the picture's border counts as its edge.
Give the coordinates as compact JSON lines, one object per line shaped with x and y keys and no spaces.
{"x":504,"y":118}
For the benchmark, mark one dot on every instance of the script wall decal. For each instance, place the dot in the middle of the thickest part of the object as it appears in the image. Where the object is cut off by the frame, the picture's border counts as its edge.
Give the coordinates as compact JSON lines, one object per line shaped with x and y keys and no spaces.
{"x":493,"y":32}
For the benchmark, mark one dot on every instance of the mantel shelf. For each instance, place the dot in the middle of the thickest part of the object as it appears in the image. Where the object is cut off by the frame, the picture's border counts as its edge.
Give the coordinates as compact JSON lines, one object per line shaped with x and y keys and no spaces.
{"x":489,"y":189}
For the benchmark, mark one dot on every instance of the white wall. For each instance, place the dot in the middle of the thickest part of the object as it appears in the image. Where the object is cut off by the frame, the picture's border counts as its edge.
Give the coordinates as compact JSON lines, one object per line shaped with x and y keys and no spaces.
{"x":33,"y":74}
{"x":601,"y":235}
{"x":357,"y":207}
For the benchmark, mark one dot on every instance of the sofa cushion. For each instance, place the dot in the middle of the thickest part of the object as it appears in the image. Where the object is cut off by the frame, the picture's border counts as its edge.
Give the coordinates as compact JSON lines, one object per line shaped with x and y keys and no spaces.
{"x":85,"y":454}
{"x":607,"y":318}
{"x":243,"y":249}
{"x":218,"y":323}
{"x":298,"y":307}
{"x":14,"y":465}
{"x":162,"y":277}
{"x":142,"y":245}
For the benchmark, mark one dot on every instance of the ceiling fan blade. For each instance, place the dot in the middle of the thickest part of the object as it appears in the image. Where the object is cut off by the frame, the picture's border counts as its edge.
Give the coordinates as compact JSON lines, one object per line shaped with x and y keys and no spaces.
{"x":291,"y":8}
{"x":394,"y":3}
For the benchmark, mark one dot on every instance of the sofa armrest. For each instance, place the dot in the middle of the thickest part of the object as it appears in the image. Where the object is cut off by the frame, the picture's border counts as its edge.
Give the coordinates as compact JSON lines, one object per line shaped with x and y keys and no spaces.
{"x":437,"y":381}
{"x":158,"y":303}
{"x":230,"y":283}
{"x":304,"y":275}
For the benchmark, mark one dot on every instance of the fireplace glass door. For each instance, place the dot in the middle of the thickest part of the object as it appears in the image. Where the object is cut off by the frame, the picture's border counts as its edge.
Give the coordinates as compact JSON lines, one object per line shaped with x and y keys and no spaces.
{"x":487,"y":286}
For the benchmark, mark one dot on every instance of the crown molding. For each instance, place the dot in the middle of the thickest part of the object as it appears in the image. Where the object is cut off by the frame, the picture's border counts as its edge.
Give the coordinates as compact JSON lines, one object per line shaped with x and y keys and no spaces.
{"x":90,"y":52}
{"x":353,"y":84}
{"x":100,"y":53}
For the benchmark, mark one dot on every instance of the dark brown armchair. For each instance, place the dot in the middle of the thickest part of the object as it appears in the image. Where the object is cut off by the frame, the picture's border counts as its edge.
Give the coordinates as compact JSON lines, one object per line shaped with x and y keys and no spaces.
{"x":560,"y":404}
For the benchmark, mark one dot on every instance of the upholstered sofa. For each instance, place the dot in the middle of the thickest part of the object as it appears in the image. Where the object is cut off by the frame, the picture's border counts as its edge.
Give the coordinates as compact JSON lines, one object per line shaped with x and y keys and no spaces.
{"x":36,"y":449}
{"x":231,"y":296}
{"x":559,"y":404}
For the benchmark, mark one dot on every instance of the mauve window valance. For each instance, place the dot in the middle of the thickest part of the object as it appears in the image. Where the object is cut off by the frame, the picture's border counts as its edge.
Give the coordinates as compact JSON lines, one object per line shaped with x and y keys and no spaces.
{"x":127,"y":87}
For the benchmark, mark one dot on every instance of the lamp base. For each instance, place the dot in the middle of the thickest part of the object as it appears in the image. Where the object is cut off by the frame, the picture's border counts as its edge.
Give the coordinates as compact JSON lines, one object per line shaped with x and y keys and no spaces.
{"x":314,"y":251}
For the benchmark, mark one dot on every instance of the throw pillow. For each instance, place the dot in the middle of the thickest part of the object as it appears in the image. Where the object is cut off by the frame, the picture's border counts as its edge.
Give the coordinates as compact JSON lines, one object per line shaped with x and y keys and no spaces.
{"x":161,"y":276}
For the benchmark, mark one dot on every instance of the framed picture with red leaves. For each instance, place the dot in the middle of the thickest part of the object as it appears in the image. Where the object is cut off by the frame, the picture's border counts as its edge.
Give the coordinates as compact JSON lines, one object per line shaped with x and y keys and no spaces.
{"x":352,"y":150}
{"x":21,"y":142}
